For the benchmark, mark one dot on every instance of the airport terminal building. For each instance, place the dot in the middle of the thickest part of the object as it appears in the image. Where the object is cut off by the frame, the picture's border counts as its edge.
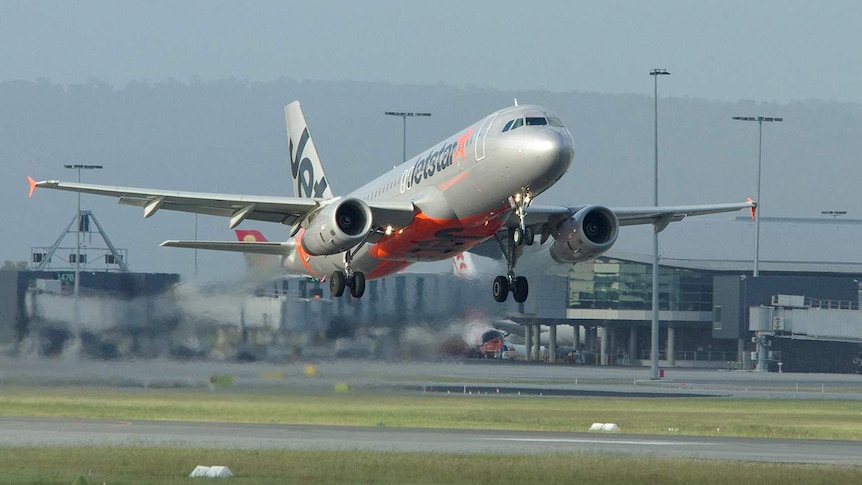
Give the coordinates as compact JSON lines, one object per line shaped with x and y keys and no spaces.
{"x":801,"y":313}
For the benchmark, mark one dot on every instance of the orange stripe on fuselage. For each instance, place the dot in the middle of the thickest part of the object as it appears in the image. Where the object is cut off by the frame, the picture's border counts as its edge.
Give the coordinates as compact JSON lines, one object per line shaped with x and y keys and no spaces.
{"x":454,"y":180}
{"x":431,"y":239}
{"x":303,"y":256}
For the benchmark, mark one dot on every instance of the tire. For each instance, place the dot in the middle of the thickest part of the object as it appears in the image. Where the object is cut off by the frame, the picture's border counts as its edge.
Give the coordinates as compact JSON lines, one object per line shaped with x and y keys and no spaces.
{"x":518,"y":236}
{"x":357,"y":289}
{"x":501,"y":288}
{"x":337,"y":283}
{"x":529,"y":236}
{"x":522,"y":289}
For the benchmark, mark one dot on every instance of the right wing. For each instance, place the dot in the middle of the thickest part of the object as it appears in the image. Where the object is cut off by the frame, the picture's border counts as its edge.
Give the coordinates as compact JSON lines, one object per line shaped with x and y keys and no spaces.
{"x":283,"y":210}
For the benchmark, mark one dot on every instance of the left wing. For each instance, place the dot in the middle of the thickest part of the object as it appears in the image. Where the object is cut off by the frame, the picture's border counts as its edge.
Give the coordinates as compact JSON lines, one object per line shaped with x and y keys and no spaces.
{"x":541,"y":217}
{"x":283,"y":210}
{"x":273,"y":248}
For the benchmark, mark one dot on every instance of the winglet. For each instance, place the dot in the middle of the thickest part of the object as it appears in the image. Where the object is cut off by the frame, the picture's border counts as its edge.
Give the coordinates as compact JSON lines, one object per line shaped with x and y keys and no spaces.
{"x":33,"y":185}
{"x":753,"y":207}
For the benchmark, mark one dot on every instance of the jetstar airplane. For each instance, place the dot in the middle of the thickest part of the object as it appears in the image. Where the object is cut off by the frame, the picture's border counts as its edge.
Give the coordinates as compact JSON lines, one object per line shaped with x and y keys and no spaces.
{"x":477,"y":185}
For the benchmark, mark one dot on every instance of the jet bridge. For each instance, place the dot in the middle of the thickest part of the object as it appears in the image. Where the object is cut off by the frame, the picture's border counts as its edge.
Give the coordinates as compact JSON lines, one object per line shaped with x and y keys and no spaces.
{"x":800,"y":317}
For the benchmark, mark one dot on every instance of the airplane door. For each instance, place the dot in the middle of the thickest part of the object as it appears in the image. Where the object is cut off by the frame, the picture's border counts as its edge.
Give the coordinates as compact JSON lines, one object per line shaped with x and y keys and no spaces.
{"x":480,"y":137}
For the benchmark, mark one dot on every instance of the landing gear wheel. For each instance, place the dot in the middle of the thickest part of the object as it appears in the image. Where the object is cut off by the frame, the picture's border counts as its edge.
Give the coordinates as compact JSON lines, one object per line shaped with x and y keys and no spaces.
{"x":517,"y":236}
{"x":357,"y":287}
{"x":521,"y":289}
{"x":501,"y":288}
{"x":529,"y":236}
{"x":337,"y":283}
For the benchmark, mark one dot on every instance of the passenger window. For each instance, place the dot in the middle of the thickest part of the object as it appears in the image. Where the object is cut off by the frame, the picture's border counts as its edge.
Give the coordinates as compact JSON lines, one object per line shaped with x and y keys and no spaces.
{"x":536,"y":121}
{"x":508,"y":125}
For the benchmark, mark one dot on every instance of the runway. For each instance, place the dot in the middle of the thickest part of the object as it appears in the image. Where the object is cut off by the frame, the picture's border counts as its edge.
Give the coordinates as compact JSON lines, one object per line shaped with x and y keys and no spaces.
{"x":476,"y":375}
{"x":412,"y":377}
{"x":92,"y":432}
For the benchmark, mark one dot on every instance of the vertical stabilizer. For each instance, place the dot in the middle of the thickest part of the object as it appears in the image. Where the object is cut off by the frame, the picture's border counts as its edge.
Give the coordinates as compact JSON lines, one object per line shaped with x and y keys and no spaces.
{"x":309,"y":181}
{"x":464,"y":267}
{"x":258,"y":265}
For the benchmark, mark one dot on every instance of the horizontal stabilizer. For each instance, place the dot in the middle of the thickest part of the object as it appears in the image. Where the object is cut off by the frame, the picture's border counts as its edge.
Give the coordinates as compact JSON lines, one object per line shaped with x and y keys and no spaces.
{"x":279,"y":248}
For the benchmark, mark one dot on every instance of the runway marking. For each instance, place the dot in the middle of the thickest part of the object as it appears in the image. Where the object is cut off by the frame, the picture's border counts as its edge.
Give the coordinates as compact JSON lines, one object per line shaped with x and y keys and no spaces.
{"x":599,"y":442}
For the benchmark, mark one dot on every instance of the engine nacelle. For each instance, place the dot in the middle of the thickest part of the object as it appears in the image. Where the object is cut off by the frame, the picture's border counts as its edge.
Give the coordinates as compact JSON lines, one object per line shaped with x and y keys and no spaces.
{"x":337,"y":227}
{"x":585,"y":235}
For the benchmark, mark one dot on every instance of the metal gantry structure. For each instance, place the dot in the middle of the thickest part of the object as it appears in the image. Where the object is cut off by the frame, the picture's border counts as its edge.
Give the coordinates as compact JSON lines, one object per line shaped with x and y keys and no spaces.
{"x":113,"y":259}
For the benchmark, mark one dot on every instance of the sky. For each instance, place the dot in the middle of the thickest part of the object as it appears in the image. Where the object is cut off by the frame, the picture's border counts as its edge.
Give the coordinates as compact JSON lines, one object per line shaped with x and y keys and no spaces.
{"x":765,"y":50}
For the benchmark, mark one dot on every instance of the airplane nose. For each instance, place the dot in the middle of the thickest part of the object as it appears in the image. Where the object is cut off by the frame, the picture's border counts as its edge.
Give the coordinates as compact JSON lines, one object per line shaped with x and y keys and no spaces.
{"x":553,"y":151}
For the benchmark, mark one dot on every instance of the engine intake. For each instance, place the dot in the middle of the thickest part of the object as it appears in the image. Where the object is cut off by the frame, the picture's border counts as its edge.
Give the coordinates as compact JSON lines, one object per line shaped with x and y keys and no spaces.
{"x":337,"y":227}
{"x":585,"y":235}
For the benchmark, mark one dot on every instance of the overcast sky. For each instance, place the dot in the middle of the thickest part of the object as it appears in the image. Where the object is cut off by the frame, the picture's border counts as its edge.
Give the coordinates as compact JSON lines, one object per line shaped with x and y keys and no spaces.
{"x":765,"y":50}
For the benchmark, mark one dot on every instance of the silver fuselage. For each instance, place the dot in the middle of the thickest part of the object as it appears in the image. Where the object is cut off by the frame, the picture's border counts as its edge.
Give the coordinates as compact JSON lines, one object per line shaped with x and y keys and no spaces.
{"x":461,"y":188}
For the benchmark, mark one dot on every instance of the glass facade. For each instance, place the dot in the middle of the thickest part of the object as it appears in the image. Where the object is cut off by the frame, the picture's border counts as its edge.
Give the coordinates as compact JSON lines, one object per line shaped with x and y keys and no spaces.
{"x":607,"y":283}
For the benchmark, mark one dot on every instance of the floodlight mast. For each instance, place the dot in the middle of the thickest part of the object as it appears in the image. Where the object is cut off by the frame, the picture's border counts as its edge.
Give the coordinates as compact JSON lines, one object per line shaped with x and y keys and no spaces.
{"x":404,"y":115}
{"x":654,"y":334}
{"x":759,"y":120}
{"x":79,"y":167}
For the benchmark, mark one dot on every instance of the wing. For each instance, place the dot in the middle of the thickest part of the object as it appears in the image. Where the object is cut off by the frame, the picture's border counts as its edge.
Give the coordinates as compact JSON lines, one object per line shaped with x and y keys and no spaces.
{"x":543,"y":218}
{"x":283,"y":210}
{"x":275,"y":248}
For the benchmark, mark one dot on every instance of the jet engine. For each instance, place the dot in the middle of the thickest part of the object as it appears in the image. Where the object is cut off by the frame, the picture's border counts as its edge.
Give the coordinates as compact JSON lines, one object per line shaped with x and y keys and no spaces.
{"x":338,"y":227}
{"x":585,"y":235}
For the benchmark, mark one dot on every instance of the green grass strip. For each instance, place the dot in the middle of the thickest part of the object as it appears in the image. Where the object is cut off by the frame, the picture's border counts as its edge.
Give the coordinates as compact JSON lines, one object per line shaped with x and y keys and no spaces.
{"x":172,"y":466}
{"x":813,"y":419}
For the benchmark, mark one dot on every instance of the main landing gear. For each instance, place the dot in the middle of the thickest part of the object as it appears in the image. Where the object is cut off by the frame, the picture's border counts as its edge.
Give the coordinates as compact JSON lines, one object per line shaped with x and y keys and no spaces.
{"x":340,"y":280}
{"x":512,"y":250}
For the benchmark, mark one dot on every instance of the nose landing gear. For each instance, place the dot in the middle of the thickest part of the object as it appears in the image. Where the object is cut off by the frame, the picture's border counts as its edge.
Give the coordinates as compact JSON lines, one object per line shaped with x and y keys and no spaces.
{"x":512,"y":250}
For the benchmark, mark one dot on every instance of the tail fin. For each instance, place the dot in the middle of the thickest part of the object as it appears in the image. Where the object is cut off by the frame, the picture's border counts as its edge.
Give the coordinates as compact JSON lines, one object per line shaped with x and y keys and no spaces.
{"x":464,"y":267}
{"x":309,"y":181}
{"x":258,"y":264}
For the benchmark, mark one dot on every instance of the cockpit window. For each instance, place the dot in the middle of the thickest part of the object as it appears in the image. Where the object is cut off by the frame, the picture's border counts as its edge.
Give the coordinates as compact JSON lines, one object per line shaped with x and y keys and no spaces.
{"x":508,"y":125}
{"x":554,"y":121}
{"x":518,"y":123}
{"x":534,"y":121}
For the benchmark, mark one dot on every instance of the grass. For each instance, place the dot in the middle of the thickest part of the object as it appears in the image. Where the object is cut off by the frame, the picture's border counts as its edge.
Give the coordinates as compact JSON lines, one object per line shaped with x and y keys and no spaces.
{"x":141,"y":465}
{"x":172,"y":466}
{"x":813,"y":419}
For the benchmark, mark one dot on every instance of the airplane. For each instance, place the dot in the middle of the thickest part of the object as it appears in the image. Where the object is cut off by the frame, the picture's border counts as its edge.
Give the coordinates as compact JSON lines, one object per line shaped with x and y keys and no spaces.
{"x":475,"y":187}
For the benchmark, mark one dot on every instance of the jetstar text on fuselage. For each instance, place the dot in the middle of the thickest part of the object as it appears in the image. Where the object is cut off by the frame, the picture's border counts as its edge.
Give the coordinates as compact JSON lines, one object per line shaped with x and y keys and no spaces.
{"x":437,"y":160}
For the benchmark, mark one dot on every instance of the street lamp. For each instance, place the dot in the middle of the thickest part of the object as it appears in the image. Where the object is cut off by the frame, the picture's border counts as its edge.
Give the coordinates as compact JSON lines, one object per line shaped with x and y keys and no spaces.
{"x":654,"y":344}
{"x":759,"y":120}
{"x":404,"y":116}
{"x":79,"y":167}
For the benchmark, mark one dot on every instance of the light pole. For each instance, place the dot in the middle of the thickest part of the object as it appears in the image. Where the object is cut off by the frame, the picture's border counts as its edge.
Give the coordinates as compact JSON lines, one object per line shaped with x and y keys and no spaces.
{"x":759,"y":120}
{"x":404,"y":116}
{"x":654,"y":344}
{"x":79,"y":167}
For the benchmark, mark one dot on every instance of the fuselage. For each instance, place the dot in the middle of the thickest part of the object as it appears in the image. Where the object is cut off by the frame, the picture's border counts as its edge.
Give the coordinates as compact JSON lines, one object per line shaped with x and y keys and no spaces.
{"x":461,"y":188}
